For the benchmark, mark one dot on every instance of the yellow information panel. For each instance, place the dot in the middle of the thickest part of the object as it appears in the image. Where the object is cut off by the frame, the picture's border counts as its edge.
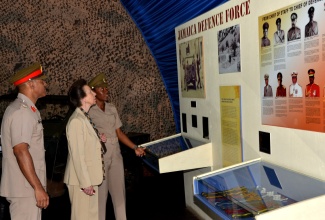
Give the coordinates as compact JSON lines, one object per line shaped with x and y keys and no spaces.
{"x":230,"y":125}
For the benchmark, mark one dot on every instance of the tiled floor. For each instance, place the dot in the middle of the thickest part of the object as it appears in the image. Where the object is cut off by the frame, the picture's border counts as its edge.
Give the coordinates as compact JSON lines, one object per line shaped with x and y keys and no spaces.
{"x":155,"y":197}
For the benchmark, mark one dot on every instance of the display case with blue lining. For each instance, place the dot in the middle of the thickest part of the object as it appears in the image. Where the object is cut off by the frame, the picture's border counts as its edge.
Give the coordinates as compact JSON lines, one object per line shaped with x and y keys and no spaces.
{"x":176,"y":153}
{"x":259,"y":190}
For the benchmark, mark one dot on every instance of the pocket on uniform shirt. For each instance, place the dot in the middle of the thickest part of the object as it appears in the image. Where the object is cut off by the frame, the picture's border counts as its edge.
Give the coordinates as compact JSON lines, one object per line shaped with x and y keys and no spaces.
{"x":38,"y":134}
{"x":39,"y":126}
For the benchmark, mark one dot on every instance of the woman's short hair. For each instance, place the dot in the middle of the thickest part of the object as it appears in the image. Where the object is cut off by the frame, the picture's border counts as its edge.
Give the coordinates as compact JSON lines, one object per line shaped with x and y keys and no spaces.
{"x":76,"y":92}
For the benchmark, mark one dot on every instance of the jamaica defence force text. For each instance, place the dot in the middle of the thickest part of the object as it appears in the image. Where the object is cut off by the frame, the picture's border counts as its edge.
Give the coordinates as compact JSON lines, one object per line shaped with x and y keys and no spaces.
{"x":232,"y":13}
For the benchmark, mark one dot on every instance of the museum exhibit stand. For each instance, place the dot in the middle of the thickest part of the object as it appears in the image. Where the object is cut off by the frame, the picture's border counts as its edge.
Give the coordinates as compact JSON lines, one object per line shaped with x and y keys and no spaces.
{"x":259,"y":190}
{"x":178,"y":152}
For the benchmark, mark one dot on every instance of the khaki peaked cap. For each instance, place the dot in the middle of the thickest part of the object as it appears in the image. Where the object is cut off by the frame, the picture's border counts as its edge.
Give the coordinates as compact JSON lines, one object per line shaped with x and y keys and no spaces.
{"x":98,"y":81}
{"x":33,"y":71}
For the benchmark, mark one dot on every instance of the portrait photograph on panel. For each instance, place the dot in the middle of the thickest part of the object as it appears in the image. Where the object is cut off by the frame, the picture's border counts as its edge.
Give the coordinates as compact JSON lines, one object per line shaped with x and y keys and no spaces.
{"x":292,"y":82}
{"x":229,"y":50}
{"x":191,"y":58}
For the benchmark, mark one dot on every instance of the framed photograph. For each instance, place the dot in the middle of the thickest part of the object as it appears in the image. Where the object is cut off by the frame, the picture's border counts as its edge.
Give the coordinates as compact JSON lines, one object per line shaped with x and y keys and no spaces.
{"x":229,"y":50}
{"x":191,"y":58}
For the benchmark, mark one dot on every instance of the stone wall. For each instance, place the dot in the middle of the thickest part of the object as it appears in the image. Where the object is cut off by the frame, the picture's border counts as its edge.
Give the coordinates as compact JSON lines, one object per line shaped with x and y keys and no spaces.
{"x":78,"y":39}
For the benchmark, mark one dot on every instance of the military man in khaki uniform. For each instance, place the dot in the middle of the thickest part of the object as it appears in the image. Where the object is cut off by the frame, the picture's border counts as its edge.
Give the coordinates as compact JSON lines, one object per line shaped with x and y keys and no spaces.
{"x":267,"y":88}
{"x":311,"y":27}
{"x":265,"y":41}
{"x":294,"y":32}
{"x":279,"y":34}
{"x":23,"y":180}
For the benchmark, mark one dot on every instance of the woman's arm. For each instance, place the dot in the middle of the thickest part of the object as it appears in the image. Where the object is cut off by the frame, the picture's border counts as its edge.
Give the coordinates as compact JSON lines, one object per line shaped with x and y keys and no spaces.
{"x":139,"y":151}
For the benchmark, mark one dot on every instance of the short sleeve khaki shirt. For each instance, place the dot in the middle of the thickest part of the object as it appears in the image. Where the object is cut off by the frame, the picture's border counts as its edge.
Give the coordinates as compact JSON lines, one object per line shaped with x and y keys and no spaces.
{"x":106,"y":122}
{"x":21,"y":123}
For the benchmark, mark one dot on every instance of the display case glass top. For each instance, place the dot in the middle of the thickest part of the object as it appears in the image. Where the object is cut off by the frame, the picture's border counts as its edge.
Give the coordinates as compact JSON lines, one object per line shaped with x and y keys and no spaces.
{"x":168,"y":147}
{"x":251,"y":189}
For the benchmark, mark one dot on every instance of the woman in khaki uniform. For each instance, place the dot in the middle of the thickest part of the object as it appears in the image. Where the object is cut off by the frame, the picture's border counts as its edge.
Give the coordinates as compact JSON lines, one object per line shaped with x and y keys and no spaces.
{"x":106,"y":118}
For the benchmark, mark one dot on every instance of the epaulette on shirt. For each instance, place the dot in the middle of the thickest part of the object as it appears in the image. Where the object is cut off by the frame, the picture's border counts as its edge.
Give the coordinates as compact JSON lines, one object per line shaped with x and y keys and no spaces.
{"x":22,"y":103}
{"x":19,"y":104}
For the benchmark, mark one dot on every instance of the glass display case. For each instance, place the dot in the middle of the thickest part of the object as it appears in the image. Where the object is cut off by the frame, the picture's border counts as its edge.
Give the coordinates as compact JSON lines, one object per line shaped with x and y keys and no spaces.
{"x":253,"y":189}
{"x":177,"y":152}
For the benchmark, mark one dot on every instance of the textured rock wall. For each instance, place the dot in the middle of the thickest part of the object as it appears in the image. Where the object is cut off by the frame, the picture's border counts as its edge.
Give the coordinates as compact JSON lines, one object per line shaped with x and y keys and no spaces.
{"x":75,"y":39}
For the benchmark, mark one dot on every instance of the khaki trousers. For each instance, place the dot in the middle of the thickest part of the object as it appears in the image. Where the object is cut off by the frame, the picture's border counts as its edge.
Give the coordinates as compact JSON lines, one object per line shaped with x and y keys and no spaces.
{"x":114,"y":183}
{"x":24,"y":208}
{"x":83,"y":207}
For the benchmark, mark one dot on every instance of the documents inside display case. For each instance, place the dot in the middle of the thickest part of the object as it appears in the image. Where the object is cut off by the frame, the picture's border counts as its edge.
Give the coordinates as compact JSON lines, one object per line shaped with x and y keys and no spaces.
{"x":177,"y":152}
{"x":256,"y":190}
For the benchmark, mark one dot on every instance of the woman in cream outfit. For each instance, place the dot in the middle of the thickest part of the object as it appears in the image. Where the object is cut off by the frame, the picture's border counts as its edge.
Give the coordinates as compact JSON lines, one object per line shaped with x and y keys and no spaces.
{"x":84,"y":171}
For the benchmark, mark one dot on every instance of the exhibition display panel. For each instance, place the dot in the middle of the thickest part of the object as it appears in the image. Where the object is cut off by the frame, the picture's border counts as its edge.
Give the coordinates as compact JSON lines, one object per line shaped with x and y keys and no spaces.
{"x":257,"y":190}
{"x":176,"y":153}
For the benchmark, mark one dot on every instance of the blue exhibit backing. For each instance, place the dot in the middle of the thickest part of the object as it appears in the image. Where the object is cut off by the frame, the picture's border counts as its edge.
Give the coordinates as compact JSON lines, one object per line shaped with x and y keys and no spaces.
{"x":157,"y":21}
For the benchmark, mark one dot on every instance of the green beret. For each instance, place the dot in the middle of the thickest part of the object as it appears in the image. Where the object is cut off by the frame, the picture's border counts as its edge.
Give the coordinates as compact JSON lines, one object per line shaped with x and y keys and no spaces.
{"x":32,"y":72}
{"x":98,"y":81}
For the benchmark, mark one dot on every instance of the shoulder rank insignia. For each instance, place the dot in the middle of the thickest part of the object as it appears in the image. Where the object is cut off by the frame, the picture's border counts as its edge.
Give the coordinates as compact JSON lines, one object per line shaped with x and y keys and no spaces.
{"x":33,"y":108}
